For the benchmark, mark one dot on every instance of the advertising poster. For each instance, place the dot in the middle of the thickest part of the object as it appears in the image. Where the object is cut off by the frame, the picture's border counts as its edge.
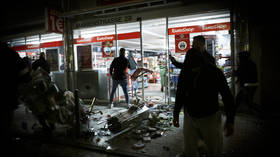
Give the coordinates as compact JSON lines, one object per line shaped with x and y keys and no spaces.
{"x":84,"y":57}
{"x":107,"y":50}
{"x":182,"y":43}
{"x":52,"y":58}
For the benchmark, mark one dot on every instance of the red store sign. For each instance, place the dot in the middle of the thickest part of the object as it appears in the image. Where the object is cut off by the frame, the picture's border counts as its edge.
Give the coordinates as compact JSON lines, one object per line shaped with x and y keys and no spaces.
{"x":26,"y":47}
{"x":196,"y":29}
{"x":182,"y":43}
{"x":107,"y":49}
{"x":123,"y":36}
{"x":37,"y":46}
{"x":54,"y":23}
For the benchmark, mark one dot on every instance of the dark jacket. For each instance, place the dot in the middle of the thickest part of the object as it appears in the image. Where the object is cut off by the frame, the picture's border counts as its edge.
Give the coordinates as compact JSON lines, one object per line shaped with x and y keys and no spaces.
{"x":41,"y":62}
{"x":247,"y":73}
{"x":118,"y":68}
{"x":198,"y":90}
{"x":206,"y":56}
{"x":12,"y":67}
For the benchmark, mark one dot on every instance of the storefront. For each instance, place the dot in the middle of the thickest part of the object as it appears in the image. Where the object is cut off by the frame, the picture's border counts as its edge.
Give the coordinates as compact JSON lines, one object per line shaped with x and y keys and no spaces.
{"x":31,"y":46}
{"x":150,"y":38}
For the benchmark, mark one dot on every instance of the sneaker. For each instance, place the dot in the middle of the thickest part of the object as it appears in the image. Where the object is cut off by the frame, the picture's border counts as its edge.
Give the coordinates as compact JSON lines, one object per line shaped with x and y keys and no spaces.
{"x":129,"y":105}
{"x":111,"y":106}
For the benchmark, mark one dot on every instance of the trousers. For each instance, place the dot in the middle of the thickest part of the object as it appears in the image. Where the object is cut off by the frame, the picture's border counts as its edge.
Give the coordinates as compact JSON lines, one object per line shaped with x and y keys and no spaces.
{"x":124,"y":86}
{"x":207,"y":129}
{"x":134,"y":83}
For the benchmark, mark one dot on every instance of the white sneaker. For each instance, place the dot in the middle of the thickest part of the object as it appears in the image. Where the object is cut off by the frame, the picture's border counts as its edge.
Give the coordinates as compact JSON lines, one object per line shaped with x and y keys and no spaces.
{"x":129,"y":105}
{"x":111,"y":106}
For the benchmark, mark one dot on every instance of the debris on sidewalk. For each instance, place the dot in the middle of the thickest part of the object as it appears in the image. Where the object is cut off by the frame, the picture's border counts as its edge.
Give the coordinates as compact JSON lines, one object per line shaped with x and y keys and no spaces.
{"x":48,"y":103}
{"x":125,"y":119}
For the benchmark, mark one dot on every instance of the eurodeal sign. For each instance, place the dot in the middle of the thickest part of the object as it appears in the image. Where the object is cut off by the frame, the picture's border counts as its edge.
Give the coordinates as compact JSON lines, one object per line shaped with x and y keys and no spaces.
{"x":203,"y":28}
{"x":123,"y":36}
{"x":37,"y":46}
{"x":103,"y":21}
{"x":94,"y":39}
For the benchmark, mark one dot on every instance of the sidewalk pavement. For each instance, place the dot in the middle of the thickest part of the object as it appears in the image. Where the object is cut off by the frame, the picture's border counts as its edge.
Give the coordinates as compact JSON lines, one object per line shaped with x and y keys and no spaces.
{"x":247,"y":141}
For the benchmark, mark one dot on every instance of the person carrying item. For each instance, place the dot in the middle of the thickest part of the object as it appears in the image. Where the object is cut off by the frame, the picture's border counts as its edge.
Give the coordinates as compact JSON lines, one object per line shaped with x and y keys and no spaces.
{"x":118,"y":73}
{"x":199,"y":84}
{"x":42,"y":63}
{"x":132,"y":68}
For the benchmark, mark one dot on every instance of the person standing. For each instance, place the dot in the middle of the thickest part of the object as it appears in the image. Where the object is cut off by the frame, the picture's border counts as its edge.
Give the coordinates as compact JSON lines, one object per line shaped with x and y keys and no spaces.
{"x":200,"y":82}
{"x":163,"y":70}
{"x":132,"y":68}
{"x":42,"y":63}
{"x":13,"y":69}
{"x":118,"y":73}
{"x":247,"y":79}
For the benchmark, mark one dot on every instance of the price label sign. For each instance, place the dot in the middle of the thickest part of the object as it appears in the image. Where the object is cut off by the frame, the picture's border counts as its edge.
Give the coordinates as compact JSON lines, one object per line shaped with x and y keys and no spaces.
{"x":182,"y":43}
{"x":107,"y":50}
{"x":54,"y":23}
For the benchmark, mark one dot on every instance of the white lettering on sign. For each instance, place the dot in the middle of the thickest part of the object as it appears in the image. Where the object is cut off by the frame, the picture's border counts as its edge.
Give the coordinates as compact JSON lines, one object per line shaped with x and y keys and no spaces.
{"x":54,"y":22}
{"x":59,"y":25}
{"x":104,"y":38}
{"x":182,"y":30}
{"x":84,"y":40}
{"x":32,"y":46}
{"x":104,"y":21}
{"x":215,"y":27}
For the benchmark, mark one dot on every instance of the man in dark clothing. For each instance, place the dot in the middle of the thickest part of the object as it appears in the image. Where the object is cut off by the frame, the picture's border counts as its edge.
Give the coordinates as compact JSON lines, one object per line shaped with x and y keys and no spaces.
{"x":247,"y":79}
{"x":41,"y":62}
{"x":12,"y":70}
{"x":118,"y":72}
{"x":199,"y":84}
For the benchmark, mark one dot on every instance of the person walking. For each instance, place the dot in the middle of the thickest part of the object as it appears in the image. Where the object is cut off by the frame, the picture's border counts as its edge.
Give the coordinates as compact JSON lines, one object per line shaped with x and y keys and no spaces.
{"x":118,"y":73}
{"x":42,"y":63}
{"x":200,"y":82}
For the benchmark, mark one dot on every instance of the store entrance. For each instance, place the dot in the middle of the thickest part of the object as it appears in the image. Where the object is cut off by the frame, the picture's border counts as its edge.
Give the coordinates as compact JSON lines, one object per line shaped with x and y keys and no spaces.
{"x":157,"y":45}
{"x":155,"y":59}
{"x":147,"y":53}
{"x":215,"y":29}
{"x":149,"y":43}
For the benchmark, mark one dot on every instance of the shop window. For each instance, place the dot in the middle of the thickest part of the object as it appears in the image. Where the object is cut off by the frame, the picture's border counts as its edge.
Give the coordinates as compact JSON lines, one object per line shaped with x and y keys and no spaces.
{"x":213,"y":26}
{"x":99,"y":45}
